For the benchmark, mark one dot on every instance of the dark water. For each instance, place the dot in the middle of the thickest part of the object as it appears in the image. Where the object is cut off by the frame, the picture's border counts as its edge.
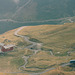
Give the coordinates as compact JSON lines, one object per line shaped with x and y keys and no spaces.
{"x":6,"y":26}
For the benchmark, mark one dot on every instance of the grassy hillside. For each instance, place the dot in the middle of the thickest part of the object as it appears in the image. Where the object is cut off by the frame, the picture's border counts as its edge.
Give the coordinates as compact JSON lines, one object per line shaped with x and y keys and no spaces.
{"x":56,"y":38}
{"x":11,"y":61}
{"x":37,"y":10}
{"x":58,"y":47}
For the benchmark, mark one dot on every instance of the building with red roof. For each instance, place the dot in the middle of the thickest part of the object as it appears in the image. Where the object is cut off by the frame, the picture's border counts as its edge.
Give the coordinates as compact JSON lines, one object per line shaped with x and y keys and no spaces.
{"x":6,"y":48}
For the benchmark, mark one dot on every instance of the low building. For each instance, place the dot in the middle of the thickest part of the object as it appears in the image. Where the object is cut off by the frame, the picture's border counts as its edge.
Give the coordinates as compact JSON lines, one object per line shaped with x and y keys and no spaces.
{"x":5,"y":48}
{"x":72,"y":61}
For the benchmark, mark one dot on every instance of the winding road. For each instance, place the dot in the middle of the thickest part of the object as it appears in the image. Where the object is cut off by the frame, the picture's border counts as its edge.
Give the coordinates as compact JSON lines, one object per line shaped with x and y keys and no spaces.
{"x":42,"y":21}
{"x":27,"y":57}
{"x":35,"y":51}
{"x":29,"y":47}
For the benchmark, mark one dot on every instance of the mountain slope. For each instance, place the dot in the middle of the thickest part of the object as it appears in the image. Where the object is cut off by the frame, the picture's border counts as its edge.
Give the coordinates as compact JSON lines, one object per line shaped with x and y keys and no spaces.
{"x":58,"y":41}
{"x":37,"y":10}
{"x":9,"y":7}
{"x":58,"y":48}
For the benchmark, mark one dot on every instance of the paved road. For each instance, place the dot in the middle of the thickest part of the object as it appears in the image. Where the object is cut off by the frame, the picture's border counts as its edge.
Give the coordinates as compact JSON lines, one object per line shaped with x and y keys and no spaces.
{"x":65,"y":64}
{"x":70,"y":20}
{"x":51,"y":53}
{"x":14,"y":21}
